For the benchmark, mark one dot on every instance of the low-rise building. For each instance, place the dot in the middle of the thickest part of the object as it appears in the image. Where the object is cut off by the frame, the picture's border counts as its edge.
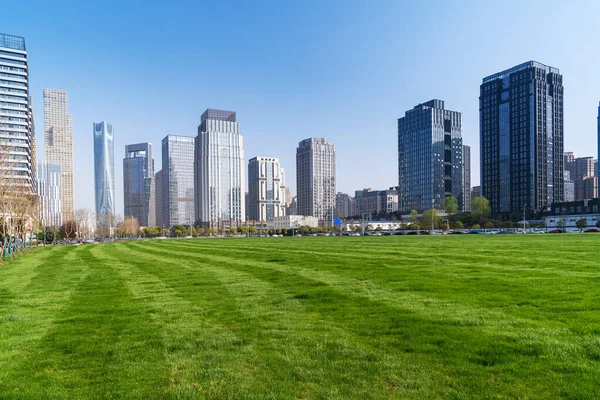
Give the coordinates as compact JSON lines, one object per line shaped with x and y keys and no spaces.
{"x":293,"y":221}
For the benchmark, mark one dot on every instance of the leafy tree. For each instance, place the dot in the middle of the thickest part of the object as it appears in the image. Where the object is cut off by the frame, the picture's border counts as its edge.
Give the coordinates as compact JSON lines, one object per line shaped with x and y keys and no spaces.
{"x":480,"y":207}
{"x":212,"y":231}
{"x":451,"y":205}
{"x":489,"y":225}
{"x":507,"y":224}
{"x":476,"y":226}
{"x":369,"y":227}
{"x":581,"y":224}
{"x":252,"y":230}
{"x":428,"y":216}
{"x":378,"y":229}
{"x":233,"y":231}
{"x":200,"y":231}
{"x":445,"y":226}
{"x":179,"y":230}
{"x":242,"y":230}
{"x":413,"y":215}
{"x":284,"y":232}
{"x":459,"y":225}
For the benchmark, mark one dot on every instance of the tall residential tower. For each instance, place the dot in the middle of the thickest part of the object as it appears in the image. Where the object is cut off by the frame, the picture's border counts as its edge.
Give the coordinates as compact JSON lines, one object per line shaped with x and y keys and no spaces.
{"x":315,"y":178}
{"x":17,"y":138}
{"x":58,"y":145}
{"x":521,"y":139}
{"x":104,"y":176}
{"x":430,"y":157}
{"x":219,"y":170}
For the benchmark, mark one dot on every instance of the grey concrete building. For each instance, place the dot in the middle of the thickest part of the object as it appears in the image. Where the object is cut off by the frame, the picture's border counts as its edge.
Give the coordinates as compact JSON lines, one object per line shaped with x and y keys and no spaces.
{"x":315,"y":178}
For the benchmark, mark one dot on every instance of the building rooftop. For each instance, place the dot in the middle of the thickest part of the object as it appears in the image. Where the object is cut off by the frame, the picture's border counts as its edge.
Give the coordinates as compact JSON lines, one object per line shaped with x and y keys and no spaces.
{"x":220,"y":115}
{"x":12,"y":42}
{"x":520,"y":67}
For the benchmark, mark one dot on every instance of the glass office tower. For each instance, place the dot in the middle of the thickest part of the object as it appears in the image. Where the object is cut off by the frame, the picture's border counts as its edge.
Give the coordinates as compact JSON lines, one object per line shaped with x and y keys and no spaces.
{"x":430,"y":157}
{"x":219,"y":170}
{"x":138,"y":172}
{"x":178,"y":180}
{"x":49,"y":179}
{"x":104,"y":176}
{"x":17,"y":139}
{"x":521,"y":139}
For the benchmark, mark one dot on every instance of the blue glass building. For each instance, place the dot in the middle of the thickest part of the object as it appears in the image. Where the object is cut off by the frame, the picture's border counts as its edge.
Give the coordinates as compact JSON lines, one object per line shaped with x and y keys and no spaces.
{"x":177,"y":180}
{"x":430,"y":157}
{"x":138,"y":172}
{"x":521,"y":139}
{"x":104,"y":176}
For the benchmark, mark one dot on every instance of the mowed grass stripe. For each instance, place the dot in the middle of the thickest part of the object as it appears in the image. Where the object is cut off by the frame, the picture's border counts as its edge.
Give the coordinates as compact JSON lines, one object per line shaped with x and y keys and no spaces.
{"x":380,"y":325}
{"x":34,"y":289}
{"x":525,"y":337}
{"x":266,"y":318}
{"x":484,"y":286}
{"x":100,"y":346}
{"x":301,"y":348}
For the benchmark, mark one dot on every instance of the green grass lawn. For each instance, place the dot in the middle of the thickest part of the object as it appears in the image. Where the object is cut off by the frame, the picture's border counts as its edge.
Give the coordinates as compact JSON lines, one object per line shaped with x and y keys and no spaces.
{"x":421,"y":317}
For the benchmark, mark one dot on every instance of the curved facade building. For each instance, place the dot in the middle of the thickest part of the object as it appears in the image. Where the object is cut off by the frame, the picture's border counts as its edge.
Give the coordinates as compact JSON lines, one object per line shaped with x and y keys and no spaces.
{"x":104,"y":174}
{"x":17,"y":161}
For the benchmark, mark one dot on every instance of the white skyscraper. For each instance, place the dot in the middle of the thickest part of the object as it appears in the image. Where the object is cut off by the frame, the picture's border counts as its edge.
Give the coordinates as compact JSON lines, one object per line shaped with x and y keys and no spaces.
{"x":315,"y":178}
{"x":17,"y":139}
{"x":219,"y":170}
{"x":266,"y":189}
{"x":49,"y":181}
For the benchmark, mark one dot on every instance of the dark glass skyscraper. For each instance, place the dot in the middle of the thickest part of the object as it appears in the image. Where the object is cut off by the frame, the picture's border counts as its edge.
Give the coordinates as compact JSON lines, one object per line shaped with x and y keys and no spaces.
{"x":138,"y":172}
{"x":521,"y":138}
{"x":430,"y":157}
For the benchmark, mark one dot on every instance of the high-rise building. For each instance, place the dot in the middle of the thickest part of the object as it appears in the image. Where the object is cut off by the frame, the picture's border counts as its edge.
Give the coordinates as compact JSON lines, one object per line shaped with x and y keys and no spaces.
{"x":219,"y":170}
{"x":521,"y":134}
{"x":58,"y":145}
{"x":598,"y":143}
{"x":372,"y":202}
{"x":430,"y":157}
{"x":475,"y":192}
{"x":158,"y":196}
{"x":315,"y":178}
{"x":466,"y":178}
{"x":17,"y":138}
{"x":292,"y":209}
{"x":104,"y":176}
{"x":569,"y":187}
{"x":344,"y":205}
{"x":266,"y":189}
{"x":590,"y":187}
{"x":138,"y":173}
{"x":178,"y":180}
{"x":50,"y":194}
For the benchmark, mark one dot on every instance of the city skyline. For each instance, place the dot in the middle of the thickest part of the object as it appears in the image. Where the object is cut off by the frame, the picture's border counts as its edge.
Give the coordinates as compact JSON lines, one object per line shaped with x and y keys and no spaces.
{"x":318,"y":73}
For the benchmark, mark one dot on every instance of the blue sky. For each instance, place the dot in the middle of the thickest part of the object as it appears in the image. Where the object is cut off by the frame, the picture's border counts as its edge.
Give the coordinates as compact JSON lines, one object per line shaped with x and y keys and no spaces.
{"x":344,"y":70}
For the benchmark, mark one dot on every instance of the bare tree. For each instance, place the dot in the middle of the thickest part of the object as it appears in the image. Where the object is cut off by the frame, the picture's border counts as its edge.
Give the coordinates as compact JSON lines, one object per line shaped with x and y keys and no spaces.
{"x":82,"y":219}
